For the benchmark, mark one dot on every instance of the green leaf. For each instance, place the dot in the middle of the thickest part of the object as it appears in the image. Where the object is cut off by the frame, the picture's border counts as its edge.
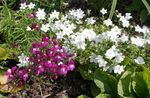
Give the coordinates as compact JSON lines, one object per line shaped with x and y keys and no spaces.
{"x":87,"y":71}
{"x":104,"y":96}
{"x":83,"y":96}
{"x":141,"y":83}
{"x":124,"y":83}
{"x":143,"y":15}
{"x":107,"y":83}
{"x":1,"y":96}
{"x":3,"y":54}
{"x":95,"y":90}
{"x":113,"y":7}
{"x":146,"y":5}
{"x":146,"y":77}
{"x":136,"y":5}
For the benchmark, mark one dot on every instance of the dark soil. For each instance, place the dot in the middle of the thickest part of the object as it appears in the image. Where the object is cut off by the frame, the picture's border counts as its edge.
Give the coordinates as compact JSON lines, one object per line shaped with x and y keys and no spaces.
{"x":70,"y":86}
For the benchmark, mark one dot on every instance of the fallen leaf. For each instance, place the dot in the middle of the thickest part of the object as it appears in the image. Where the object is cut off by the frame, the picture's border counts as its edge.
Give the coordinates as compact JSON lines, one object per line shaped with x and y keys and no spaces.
{"x":3,"y":79}
{"x":10,"y":88}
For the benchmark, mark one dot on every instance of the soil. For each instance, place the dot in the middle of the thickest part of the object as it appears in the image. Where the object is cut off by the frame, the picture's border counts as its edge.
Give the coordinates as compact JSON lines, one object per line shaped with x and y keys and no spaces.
{"x":70,"y":86}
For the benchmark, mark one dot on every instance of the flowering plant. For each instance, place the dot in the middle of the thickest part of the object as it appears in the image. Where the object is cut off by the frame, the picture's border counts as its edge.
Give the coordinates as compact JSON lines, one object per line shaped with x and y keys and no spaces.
{"x":105,"y":50}
{"x":47,"y":58}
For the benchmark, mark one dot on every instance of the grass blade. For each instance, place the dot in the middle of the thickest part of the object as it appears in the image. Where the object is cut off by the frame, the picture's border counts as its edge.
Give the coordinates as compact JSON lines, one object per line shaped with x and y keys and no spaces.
{"x":146,"y":5}
{"x":113,"y":7}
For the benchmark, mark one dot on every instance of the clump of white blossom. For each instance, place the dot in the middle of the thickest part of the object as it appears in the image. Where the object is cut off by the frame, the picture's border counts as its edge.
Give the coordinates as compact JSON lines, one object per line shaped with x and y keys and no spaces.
{"x":80,"y":33}
{"x":23,"y":60}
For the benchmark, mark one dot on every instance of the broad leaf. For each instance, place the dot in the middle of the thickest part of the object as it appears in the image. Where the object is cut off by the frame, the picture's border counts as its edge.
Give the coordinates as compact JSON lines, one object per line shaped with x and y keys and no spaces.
{"x":107,"y":83}
{"x":3,"y":79}
{"x":6,"y":86}
{"x":1,"y":96}
{"x":104,"y":96}
{"x":83,"y":96}
{"x":141,"y":83}
{"x":3,"y":54}
{"x":124,"y":83}
{"x":95,"y":90}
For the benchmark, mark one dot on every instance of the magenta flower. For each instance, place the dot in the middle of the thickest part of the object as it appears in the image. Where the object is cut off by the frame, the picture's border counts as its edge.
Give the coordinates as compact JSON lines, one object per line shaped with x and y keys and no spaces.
{"x":46,"y":58}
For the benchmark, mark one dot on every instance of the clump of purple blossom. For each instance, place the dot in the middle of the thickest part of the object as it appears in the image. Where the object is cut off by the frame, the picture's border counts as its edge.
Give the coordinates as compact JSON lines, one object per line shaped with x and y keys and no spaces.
{"x":47,"y":58}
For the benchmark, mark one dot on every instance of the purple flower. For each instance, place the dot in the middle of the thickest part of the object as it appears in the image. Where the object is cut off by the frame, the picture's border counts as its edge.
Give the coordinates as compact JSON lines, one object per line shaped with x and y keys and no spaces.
{"x":63,"y":70}
{"x":71,"y":66}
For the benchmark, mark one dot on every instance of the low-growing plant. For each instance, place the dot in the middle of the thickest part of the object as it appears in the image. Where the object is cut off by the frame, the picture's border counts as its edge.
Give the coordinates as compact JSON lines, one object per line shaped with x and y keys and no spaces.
{"x":106,"y":51}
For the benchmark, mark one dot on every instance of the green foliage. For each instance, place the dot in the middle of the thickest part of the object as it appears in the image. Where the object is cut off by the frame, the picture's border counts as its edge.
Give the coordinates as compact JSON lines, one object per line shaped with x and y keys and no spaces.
{"x":97,"y":5}
{"x":6,"y":52}
{"x":140,"y":6}
{"x":146,"y":5}
{"x":13,"y":28}
{"x":1,"y":96}
{"x":135,"y":83}
{"x":113,"y":7}
{"x":103,"y":96}
{"x":124,"y":83}
{"x":83,"y":96}
{"x":49,"y":5}
{"x":107,"y":83}
{"x":95,"y":90}
{"x":87,"y":71}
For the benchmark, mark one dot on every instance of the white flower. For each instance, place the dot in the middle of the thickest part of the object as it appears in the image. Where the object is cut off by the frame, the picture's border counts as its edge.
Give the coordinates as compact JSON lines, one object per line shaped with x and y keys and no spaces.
{"x":148,"y":41}
{"x":114,"y":34}
{"x":28,"y":28}
{"x":106,"y":68}
{"x":90,"y":20}
{"x":31,"y":5}
{"x":138,"y":29}
{"x":119,"y":57}
{"x":76,"y":14}
{"x":146,"y":30}
{"x":139,"y":60}
{"x":138,"y":41}
{"x":98,"y":59}
{"x":23,"y":6}
{"x":128,"y":16}
{"x":89,"y":34}
{"x":124,"y":38}
{"x":108,"y":22}
{"x":79,"y":14}
{"x":60,"y":35}
{"x":118,"y":69}
{"x":78,"y":40}
{"x":103,"y":11}
{"x":92,"y":58}
{"x":67,"y":31}
{"x":125,"y":23}
{"x":54,"y":15}
{"x":101,"y":62}
{"x":24,"y":60}
{"x":111,"y":53}
{"x":119,"y":15}
{"x":40,"y":14}
{"x":45,"y":27}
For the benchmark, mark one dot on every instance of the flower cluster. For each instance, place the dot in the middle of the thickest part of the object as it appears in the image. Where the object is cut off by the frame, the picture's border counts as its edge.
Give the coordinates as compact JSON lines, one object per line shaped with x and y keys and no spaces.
{"x":49,"y":57}
{"x":108,"y":44}
{"x":46,"y":58}
{"x":21,"y":75}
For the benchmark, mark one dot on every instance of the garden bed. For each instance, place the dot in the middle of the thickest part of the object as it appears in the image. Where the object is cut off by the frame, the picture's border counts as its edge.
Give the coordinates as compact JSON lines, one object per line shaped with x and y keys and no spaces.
{"x":74,"y":49}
